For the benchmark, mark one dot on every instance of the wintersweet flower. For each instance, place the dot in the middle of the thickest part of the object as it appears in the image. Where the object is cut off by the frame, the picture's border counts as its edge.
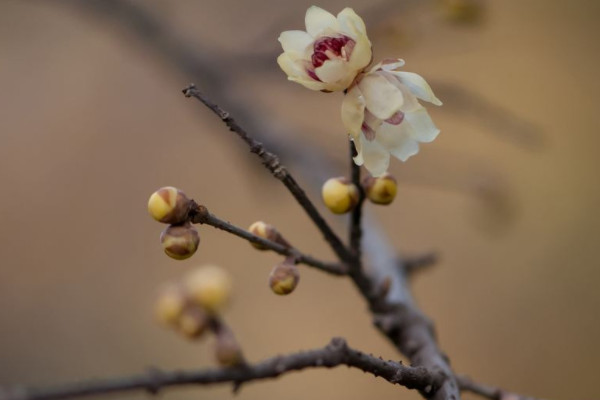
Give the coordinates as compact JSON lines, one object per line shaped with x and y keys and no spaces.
{"x":330,"y":54}
{"x":382,"y":114}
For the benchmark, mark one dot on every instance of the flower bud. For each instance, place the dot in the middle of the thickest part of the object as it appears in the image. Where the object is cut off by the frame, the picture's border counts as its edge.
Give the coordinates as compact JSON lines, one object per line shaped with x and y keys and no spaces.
{"x":265,"y":231}
{"x":180,"y":241}
{"x":284,"y":278}
{"x":227,"y":350}
{"x":193,"y":322}
{"x":381,"y":190}
{"x":169,"y":205}
{"x":170,"y":305}
{"x":340,"y":195}
{"x":209,"y":287}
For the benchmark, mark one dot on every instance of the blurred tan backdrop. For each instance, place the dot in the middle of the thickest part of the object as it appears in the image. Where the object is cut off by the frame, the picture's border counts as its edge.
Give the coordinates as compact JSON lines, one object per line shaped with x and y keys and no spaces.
{"x":92,"y":121}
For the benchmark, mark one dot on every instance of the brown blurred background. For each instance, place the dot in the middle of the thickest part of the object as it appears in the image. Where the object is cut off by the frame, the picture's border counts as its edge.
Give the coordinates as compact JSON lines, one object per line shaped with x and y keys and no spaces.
{"x":92,"y":121}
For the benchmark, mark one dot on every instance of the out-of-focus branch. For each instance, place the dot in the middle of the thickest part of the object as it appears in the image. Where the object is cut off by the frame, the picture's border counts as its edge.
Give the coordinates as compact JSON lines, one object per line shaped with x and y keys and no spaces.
{"x":271,"y":162}
{"x":200,"y":215}
{"x":493,"y":393}
{"x":336,"y":353}
{"x":410,"y":265}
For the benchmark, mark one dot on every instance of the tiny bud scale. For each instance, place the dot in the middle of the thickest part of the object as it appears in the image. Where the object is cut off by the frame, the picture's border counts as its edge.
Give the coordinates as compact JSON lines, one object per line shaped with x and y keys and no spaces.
{"x":340,"y":195}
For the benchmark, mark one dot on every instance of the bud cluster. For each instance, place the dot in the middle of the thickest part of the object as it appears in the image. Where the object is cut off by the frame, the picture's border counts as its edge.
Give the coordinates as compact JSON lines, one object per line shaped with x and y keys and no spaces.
{"x":171,"y":206}
{"x":340,"y":195}
{"x":191,"y":307}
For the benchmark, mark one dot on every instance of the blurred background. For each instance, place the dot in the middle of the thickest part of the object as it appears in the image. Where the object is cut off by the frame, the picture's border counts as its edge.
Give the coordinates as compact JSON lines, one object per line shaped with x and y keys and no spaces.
{"x":92,"y":121}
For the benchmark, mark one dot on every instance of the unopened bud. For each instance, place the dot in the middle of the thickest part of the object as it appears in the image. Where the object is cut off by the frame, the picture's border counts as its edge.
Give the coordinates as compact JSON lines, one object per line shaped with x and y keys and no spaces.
{"x":169,"y":205}
{"x":227,"y":350}
{"x":265,"y":231}
{"x":170,"y":305}
{"x":193,"y":322}
{"x":180,"y":241}
{"x":381,"y":190}
{"x":340,"y":195}
{"x":284,"y":278}
{"x":209,"y":287}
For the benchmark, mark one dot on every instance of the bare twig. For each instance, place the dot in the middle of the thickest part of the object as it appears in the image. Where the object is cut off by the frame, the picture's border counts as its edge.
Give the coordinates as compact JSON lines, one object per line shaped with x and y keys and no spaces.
{"x":493,"y":393}
{"x":271,"y":162}
{"x":200,"y":215}
{"x":334,"y":354}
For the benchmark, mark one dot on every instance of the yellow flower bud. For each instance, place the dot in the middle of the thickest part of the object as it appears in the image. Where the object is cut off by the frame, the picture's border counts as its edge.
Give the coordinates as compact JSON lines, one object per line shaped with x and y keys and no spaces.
{"x":227,"y":350}
{"x":169,"y":205}
{"x":381,"y":190}
{"x":284,"y":278}
{"x":209,"y":287}
{"x":193,"y":322}
{"x":265,"y":231}
{"x":180,"y":241}
{"x":340,"y":195}
{"x":170,"y":305}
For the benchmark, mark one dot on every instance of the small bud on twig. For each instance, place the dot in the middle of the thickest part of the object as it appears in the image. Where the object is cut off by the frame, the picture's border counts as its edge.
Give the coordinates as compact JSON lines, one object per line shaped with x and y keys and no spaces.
{"x":340,"y":195}
{"x":284,"y":278}
{"x":381,"y":190}
{"x":169,"y":205}
{"x":180,"y":241}
{"x":209,"y":287}
{"x":266,"y":231}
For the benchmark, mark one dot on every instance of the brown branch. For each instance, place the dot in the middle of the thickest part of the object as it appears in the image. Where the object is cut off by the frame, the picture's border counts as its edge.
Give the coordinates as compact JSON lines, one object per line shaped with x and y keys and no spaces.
{"x":356,"y":216}
{"x":199,"y":214}
{"x":336,"y":353}
{"x":493,"y":393}
{"x":271,"y":162}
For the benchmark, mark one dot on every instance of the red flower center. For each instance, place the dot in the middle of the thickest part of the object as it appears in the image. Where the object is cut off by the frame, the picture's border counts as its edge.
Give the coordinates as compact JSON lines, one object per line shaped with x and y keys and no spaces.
{"x":327,"y":47}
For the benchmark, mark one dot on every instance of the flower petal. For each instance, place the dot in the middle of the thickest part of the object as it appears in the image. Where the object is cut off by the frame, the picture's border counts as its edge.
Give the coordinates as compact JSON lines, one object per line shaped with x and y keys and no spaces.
{"x":423,"y":128}
{"x":407,"y":150}
{"x":333,"y":71}
{"x":383,"y":98}
{"x":296,"y":72}
{"x":317,"y":20}
{"x":417,"y":85}
{"x":353,"y":111}
{"x":392,"y":64}
{"x":398,"y":139}
{"x":351,"y":23}
{"x":361,"y":54}
{"x":296,"y":41}
{"x":376,"y":157}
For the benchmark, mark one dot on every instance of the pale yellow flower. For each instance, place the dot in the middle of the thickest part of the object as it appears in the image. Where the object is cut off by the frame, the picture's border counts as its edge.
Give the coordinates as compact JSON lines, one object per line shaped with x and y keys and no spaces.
{"x":382,"y":114}
{"x":331,"y":52}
